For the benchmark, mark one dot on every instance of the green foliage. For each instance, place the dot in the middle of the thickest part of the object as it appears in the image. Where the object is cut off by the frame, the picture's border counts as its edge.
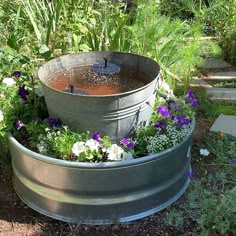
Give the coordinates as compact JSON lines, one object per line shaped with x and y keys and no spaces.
{"x":209,"y":204}
{"x":223,"y":146}
{"x":212,"y":110}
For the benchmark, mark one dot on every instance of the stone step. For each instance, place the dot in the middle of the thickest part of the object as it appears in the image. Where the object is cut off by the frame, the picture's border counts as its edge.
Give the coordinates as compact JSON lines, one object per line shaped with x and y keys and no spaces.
{"x":215,"y":63}
{"x":222,"y":94}
{"x":221,"y":76}
{"x":226,"y":124}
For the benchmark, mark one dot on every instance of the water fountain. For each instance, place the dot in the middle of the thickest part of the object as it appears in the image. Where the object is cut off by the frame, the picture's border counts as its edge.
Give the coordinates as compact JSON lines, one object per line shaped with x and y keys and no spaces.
{"x":101,"y":91}
{"x":107,"y":192}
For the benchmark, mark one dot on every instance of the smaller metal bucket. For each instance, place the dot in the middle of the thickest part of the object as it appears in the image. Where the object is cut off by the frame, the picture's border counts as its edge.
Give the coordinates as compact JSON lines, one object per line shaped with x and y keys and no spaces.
{"x":114,"y":115}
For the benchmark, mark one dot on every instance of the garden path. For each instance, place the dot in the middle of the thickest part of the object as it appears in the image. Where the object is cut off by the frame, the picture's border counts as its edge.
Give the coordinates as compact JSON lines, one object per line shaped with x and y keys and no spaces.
{"x":218,"y":77}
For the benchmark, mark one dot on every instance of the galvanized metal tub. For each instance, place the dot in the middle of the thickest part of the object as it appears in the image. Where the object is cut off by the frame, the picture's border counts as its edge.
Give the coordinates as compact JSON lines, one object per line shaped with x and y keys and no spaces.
{"x":114,"y":115}
{"x":100,"y":193}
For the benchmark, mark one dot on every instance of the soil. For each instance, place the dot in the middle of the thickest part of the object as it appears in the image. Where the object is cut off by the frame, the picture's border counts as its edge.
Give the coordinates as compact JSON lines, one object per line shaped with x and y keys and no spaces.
{"x":18,"y":219}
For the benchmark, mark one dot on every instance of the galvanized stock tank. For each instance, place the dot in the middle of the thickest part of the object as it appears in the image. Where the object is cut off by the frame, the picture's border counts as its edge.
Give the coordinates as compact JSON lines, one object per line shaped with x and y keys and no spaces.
{"x":115,"y":115}
{"x":101,"y":193}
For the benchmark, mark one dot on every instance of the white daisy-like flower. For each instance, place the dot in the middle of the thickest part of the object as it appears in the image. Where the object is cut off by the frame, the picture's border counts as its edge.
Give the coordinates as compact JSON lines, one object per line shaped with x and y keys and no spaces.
{"x":204,"y":152}
{"x":1,"y":116}
{"x":115,"y":153}
{"x":9,"y":81}
{"x":92,"y":144}
{"x":78,"y":148}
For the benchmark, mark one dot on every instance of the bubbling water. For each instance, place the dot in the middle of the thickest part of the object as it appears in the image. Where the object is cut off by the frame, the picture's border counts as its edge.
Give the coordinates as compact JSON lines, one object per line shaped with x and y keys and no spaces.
{"x":83,"y":80}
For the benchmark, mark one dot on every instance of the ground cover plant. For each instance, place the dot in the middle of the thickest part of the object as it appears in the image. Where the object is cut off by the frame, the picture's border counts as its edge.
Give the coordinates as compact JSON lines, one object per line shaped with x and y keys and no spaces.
{"x":30,"y":37}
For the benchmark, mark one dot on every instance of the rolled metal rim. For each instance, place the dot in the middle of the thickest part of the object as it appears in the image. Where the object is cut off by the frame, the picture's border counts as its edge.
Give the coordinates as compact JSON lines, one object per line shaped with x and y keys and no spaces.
{"x":101,"y":96}
{"x":101,"y":165}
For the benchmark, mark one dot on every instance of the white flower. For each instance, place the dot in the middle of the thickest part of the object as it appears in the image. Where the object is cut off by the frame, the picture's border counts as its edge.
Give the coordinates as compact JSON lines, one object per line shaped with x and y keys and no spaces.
{"x":115,"y":153}
{"x":9,"y":81}
{"x":204,"y":152}
{"x":78,"y":148}
{"x":92,"y":144}
{"x":1,"y":116}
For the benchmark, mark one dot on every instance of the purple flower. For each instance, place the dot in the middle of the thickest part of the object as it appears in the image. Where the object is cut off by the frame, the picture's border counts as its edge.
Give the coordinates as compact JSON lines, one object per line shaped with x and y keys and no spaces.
{"x":182,"y":120}
{"x":190,"y":93}
{"x":190,"y":174}
{"x":163,"y":110}
{"x":19,"y":124}
{"x":160,"y":124}
{"x":53,"y":122}
{"x":193,"y":102}
{"x":16,"y":74}
{"x":192,"y":99}
{"x":23,"y":92}
{"x":127,"y":143}
{"x":96,"y":136}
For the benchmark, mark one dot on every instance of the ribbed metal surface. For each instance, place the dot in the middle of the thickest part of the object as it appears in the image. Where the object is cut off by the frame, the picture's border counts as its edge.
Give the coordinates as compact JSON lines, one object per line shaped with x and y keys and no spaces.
{"x":113,"y":115}
{"x":100,"y":193}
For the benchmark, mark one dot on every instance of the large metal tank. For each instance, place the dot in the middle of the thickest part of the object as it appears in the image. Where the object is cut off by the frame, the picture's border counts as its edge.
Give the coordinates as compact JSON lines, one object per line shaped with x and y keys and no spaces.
{"x":101,"y":193}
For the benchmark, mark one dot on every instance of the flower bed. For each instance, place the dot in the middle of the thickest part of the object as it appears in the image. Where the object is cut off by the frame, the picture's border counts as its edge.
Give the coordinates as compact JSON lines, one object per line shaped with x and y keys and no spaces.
{"x":23,"y":113}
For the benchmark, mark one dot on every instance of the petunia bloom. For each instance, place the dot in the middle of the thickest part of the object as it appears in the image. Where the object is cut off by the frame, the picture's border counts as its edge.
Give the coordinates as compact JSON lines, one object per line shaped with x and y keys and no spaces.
{"x":182,"y":120}
{"x":9,"y":81}
{"x":164,"y":111}
{"x":115,"y":153}
{"x":16,"y":74}
{"x":78,"y":148}
{"x":53,"y":122}
{"x":160,"y":124}
{"x":96,"y":136}
{"x":192,"y":99}
{"x":92,"y":144}
{"x":127,"y":143}
{"x":19,"y":124}
{"x":23,"y":92}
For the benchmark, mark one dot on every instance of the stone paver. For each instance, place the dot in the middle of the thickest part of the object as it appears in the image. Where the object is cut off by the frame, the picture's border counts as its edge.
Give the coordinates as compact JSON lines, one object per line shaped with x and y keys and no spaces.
{"x":222,"y":76}
{"x":215,"y":63}
{"x":224,"y":94}
{"x":198,"y":82}
{"x":226,"y":124}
